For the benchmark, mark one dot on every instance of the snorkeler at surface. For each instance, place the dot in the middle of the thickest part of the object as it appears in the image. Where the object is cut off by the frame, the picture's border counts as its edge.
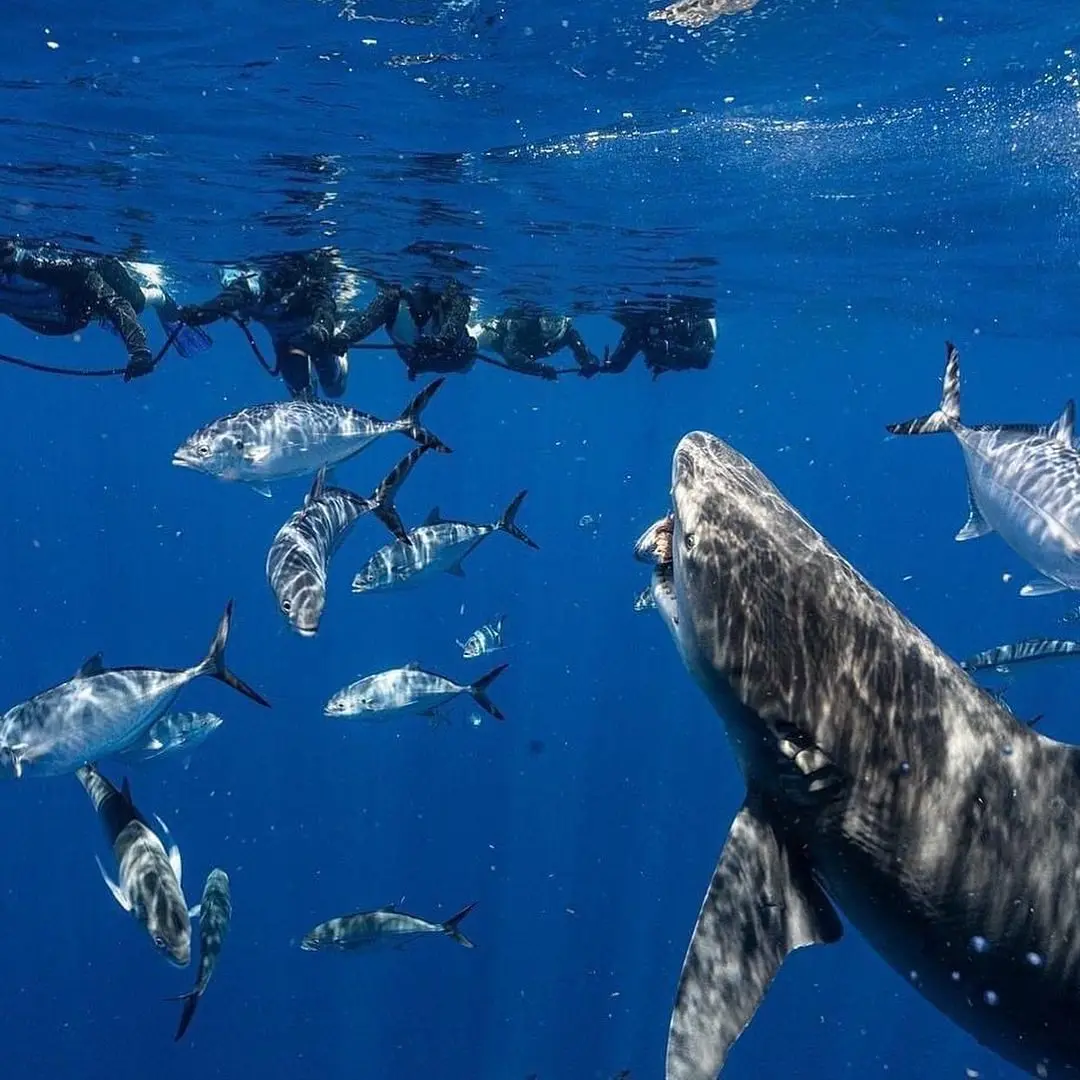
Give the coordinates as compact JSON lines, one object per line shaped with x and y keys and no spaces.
{"x":53,"y":290}
{"x":428,"y":327}
{"x":525,"y":335}
{"x":293,"y":296}
{"x":678,"y":335}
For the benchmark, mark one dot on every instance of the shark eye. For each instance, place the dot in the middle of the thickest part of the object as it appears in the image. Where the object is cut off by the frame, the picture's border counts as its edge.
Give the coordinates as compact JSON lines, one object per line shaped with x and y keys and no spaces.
{"x":689,"y":541}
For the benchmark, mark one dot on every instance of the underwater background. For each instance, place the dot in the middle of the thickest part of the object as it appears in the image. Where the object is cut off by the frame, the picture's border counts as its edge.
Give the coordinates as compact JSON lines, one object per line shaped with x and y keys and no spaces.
{"x":852,"y":184}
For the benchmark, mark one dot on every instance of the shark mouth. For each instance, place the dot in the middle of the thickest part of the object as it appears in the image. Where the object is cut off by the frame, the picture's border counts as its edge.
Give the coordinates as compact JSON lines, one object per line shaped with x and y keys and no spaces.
{"x":655,"y":546}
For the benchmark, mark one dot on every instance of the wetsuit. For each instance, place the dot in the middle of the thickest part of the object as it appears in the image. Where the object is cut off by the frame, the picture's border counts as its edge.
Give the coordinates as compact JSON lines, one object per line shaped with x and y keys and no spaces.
{"x":54,"y":291}
{"x":677,"y":337}
{"x":523,"y":336}
{"x":295,"y":300}
{"x":429,"y":329}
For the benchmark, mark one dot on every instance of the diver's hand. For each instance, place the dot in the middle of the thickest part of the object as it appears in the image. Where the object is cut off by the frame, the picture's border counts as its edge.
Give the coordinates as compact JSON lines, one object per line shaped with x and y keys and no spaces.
{"x":193,"y":315}
{"x":546,"y":371}
{"x":142,"y":363}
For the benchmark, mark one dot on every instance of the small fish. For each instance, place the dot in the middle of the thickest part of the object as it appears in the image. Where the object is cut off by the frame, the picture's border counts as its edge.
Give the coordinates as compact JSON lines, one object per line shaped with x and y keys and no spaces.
{"x":1019,"y":653}
{"x":694,"y":14}
{"x":102,"y":711}
{"x":172,"y":732}
{"x":299,"y":558}
{"x":408,"y":690}
{"x":387,"y":926}
{"x":436,"y":546}
{"x":265,"y":443}
{"x":487,"y":639}
{"x":149,"y":886}
{"x":215,"y":914}
{"x":1022,"y":483}
{"x":644,"y":600}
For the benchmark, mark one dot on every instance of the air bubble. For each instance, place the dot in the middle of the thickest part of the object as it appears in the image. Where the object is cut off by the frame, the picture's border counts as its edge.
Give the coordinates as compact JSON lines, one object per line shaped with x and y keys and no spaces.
{"x":1034,"y":959}
{"x":990,"y":997}
{"x":979,"y":944}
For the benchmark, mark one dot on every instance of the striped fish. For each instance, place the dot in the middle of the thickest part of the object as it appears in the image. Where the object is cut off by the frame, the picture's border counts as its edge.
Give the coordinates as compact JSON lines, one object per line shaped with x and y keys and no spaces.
{"x":386,"y":926}
{"x":1002,"y":657}
{"x":172,"y":732}
{"x":1023,"y":483}
{"x":487,"y":639}
{"x":299,"y":558}
{"x":215,"y":914}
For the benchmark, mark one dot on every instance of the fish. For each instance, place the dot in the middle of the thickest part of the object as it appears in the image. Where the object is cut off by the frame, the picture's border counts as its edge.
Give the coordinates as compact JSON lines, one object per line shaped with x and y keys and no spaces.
{"x":1022,"y":483}
{"x":644,"y":601}
{"x":299,"y":558}
{"x":881,"y":782}
{"x":436,"y":546}
{"x":386,"y":926}
{"x":694,"y":14}
{"x":1021,"y":652}
{"x":487,"y":639}
{"x":266,"y":443}
{"x":150,"y":877}
{"x":215,"y":914}
{"x":406,"y":691}
{"x":172,"y":732}
{"x":102,"y":711}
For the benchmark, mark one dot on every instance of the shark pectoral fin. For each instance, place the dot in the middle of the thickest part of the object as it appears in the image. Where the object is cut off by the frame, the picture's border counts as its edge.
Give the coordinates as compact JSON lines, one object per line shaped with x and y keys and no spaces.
{"x":1042,"y":586}
{"x":976,"y":525}
{"x":762,"y":904}
{"x":118,"y":894}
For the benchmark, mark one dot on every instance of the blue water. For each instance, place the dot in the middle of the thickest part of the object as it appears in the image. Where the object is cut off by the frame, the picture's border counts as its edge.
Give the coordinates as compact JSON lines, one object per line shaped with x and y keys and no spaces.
{"x":850,"y":185}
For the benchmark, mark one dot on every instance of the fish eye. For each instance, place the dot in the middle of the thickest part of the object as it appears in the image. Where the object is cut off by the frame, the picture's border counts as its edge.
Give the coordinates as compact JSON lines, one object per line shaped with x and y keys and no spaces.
{"x":159,"y":941}
{"x":286,"y":605}
{"x":203,"y":450}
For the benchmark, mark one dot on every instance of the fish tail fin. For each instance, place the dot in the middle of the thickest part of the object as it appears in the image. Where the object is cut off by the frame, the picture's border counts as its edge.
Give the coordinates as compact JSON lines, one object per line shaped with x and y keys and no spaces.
{"x":191,"y":1003}
{"x":507,"y":523}
{"x":479,"y":691}
{"x":410,"y":419}
{"x":214,"y":664}
{"x":451,"y":926}
{"x":382,"y":501}
{"x":948,"y":413}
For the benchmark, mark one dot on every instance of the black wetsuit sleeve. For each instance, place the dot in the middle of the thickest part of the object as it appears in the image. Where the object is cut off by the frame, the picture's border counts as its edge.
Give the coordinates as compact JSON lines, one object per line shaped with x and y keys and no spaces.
{"x":380,"y":312}
{"x":628,"y":347}
{"x":584,"y":356}
{"x":230,"y":301}
{"x":60,"y":270}
{"x":108,"y":304}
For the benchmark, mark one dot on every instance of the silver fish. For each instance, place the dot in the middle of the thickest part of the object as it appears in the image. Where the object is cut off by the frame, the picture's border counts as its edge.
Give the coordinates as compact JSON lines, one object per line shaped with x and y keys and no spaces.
{"x":1023,"y":483}
{"x":436,"y":546}
{"x":299,"y":558}
{"x":215,"y":914}
{"x":101,"y":712}
{"x":172,"y":732}
{"x":264,"y":443}
{"x":1020,"y":652}
{"x":150,"y":878}
{"x":408,"y":690}
{"x":644,"y":600}
{"x":487,"y":639}
{"x":387,"y":926}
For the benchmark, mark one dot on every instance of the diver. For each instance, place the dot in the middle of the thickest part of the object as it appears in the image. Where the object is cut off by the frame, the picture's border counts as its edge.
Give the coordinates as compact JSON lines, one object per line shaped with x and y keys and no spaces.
{"x":678,"y":335}
{"x":525,"y":335}
{"x":294,"y":296}
{"x":53,"y":290}
{"x":428,"y":327}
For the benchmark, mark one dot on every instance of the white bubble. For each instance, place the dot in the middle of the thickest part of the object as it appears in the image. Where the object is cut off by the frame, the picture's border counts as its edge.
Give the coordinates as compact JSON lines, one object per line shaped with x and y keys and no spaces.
{"x":979,"y":944}
{"x":1034,"y":959}
{"x":990,"y":997}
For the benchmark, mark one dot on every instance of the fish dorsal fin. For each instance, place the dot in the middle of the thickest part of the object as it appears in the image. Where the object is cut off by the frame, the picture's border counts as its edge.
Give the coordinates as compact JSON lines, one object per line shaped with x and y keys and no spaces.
{"x":1061,"y":430}
{"x":412,"y":665}
{"x":434,"y":517}
{"x":317,"y":487}
{"x":92,"y":666}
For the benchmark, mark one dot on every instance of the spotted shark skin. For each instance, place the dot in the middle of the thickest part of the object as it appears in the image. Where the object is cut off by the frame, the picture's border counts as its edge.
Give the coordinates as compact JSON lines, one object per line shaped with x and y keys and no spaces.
{"x":298,"y":562}
{"x":265,"y":443}
{"x":881,"y":780}
{"x":1023,"y":483}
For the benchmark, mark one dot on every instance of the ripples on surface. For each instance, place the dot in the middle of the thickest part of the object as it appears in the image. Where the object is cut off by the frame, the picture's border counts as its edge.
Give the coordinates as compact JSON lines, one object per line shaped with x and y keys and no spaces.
{"x":570,"y":154}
